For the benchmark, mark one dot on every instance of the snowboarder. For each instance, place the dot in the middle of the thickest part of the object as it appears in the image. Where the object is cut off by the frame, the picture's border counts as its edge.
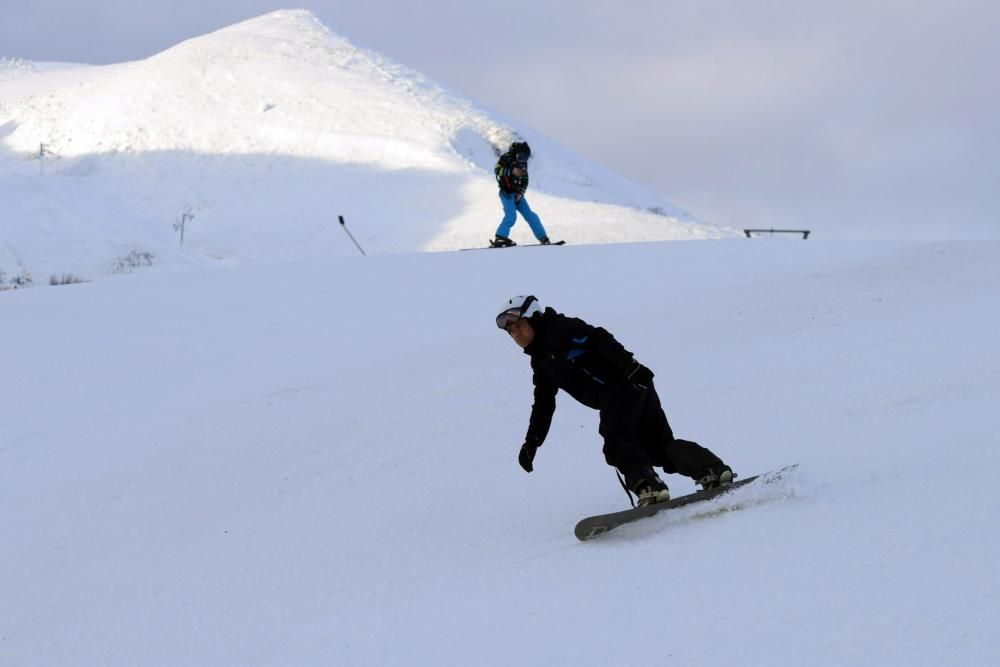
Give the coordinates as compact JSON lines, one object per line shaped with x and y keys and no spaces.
{"x":512,"y":177}
{"x":591,"y":366}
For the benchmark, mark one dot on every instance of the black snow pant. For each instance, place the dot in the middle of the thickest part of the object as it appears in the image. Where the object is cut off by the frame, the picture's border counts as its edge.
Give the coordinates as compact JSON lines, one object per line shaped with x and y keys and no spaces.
{"x":636,"y":436}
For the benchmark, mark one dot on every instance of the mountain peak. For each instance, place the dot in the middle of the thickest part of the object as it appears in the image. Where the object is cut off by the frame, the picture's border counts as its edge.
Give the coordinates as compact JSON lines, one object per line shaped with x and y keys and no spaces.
{"x":279,"y":119}
{"x":287,"y":34}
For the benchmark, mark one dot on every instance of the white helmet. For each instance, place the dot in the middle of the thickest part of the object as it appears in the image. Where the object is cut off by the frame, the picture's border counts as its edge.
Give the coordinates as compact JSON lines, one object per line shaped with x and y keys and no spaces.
{"x":517,"y":307}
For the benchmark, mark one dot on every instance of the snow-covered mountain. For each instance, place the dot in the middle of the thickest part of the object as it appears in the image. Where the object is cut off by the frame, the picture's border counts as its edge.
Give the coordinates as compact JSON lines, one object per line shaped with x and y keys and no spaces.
{"x":259,"y":136}
{"x":247,"y":454}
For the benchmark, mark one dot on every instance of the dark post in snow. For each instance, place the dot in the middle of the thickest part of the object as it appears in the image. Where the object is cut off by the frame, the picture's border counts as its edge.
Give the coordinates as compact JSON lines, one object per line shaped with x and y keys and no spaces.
{"x":179,"y":225}
{"x":344,"y":225}
{"x":43,"y":151}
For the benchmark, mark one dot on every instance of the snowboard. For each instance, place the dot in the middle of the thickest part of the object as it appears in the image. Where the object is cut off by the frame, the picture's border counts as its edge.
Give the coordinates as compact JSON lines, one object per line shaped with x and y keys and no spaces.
{"x":520,"y":245}
{"x":594,"y":526}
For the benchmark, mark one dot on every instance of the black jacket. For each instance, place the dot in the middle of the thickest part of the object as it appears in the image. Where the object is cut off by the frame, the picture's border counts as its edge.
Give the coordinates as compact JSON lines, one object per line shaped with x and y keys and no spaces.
{"x":508,"y":182}
{"x":584,"y":361}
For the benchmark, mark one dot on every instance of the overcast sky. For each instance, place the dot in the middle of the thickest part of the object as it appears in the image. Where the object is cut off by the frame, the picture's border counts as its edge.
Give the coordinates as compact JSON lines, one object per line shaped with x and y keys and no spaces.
{"x":855,"y":119}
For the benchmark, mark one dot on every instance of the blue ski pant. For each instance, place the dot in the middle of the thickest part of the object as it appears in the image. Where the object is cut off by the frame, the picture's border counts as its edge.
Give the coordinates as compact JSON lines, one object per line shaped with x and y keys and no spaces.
{"x":510,"y":211}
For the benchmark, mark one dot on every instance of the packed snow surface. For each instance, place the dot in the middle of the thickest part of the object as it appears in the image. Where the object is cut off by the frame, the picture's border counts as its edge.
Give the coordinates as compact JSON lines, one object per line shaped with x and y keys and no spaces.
{"x":315,"y":463}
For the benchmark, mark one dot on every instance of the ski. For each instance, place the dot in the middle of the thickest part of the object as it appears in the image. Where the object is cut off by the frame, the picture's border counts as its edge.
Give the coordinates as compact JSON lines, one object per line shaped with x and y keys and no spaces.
{"x":520,"y":245}
{"x":595,"y":526}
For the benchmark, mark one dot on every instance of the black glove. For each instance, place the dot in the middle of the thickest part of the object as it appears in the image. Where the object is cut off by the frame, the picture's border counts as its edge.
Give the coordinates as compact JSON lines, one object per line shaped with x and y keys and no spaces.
{"x":527,"y":455}
{"x":640,"y":376}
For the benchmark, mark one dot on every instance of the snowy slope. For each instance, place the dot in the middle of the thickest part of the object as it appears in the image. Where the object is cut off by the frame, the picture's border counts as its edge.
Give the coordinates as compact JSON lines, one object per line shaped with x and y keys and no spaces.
{"x":315,"y":464}
{"x":265,"y":132}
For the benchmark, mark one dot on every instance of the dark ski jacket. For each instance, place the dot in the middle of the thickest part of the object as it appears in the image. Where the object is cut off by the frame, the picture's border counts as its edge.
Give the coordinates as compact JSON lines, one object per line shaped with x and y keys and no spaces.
{"x":584,"y":361}
{"x":508,"y":182}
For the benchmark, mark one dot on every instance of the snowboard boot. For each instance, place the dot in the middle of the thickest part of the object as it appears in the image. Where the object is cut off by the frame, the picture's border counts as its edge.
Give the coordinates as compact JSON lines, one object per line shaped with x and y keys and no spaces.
{"x":717,"y":477}
{"x":502,"y":242}
{"x":647,"y":487}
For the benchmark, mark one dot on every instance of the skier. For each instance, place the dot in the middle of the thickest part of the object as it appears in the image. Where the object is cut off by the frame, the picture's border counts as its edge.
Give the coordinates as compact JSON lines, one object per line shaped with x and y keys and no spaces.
{"x":591,"y":366}
{"x":512,"y":177}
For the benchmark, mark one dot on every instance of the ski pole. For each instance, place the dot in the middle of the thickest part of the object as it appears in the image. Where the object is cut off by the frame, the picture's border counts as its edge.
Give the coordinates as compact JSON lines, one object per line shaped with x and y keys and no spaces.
{"x":344,"y":225}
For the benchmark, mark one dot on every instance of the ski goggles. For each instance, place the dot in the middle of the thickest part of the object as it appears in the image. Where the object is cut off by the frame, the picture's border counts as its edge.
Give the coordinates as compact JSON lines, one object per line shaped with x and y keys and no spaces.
{"x":506,"y":319}
{"x":522,"y":157}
